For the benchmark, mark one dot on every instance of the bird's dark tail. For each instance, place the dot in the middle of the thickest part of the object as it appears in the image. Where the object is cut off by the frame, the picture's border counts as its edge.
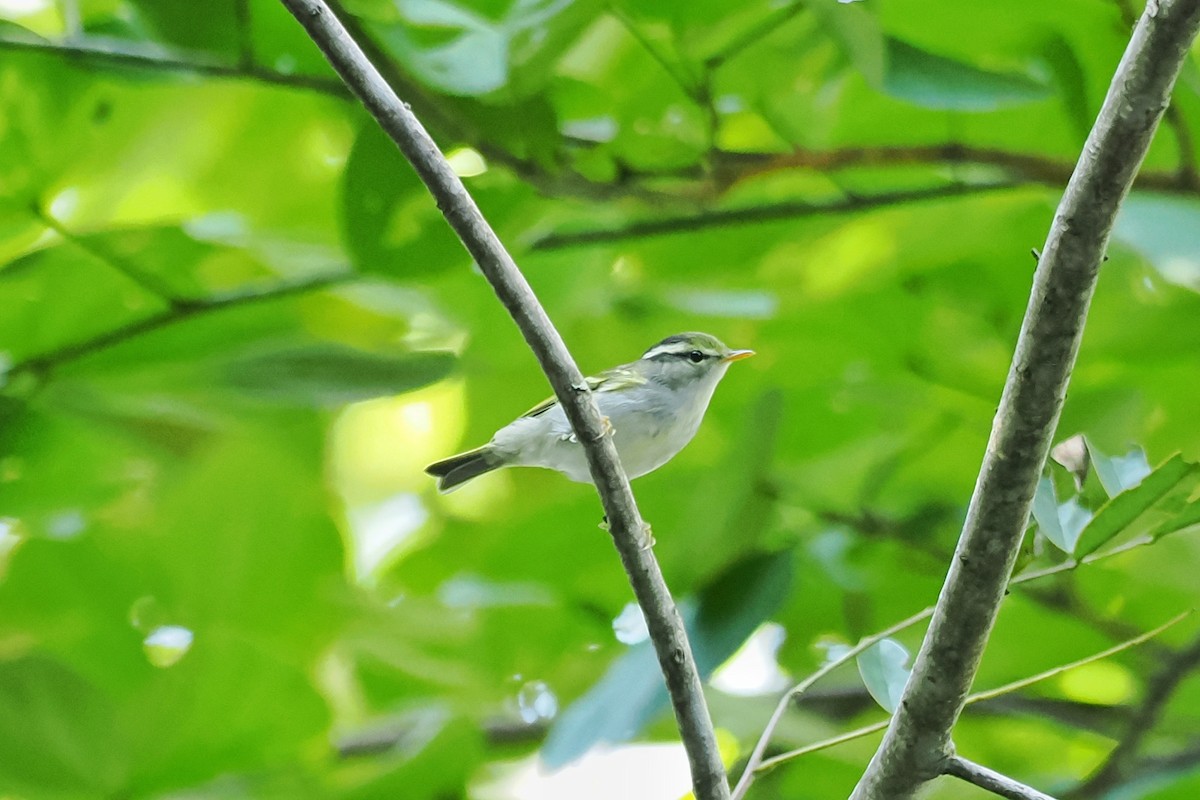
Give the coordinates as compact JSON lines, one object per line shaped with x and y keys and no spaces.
{"x":456,"y":470}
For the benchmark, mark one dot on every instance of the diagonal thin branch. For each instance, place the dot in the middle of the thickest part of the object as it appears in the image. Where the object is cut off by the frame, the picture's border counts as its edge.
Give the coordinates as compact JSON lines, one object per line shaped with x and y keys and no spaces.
{"x":97,"y":50}
{"x":917,"y":742}
{"x":663,"y":226}
{"x":979,"y":697}
{"x":624,"y":520}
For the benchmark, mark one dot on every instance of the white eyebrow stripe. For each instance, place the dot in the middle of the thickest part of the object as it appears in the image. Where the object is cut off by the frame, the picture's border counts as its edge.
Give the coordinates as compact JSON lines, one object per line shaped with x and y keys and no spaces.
{"x":673,"y":348}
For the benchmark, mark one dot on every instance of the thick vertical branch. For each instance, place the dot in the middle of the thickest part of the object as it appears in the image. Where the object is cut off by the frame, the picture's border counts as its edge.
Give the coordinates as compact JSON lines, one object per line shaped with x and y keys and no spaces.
{"x":917,"y":744}
{"x":624,"y":521}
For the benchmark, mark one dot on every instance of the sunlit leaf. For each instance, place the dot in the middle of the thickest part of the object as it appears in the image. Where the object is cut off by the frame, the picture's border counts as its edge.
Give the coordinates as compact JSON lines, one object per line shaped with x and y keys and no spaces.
{"x":1119,"y":473}
{"x":1153,"y":505}
{"x":1166,"y":230}
{"x":884,"y":672}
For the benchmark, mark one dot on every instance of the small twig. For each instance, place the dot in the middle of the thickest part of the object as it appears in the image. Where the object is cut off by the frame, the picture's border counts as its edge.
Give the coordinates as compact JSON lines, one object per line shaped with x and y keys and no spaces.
{"x":1023,"y":683}
{"x":1017,"y":166}
{"x":1072,"y":564}
{"x":990,"y":780}
{"x":756,"y":756}
{"x":683,"y":81}
{"x":771,"y":763}
{"x":624,"y":521}
{"x":768,"y":24}
{"x":245,"y":34}
{"x":755,"y":214}
{"x":979,"y":697}
{"x":124,"y":54}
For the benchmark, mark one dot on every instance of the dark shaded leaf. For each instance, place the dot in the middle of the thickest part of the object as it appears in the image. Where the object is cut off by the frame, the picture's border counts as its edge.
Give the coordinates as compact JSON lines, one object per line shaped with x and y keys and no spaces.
{"x":934,"y":81}
{"x":390,"y":223}
{"x":56,"y":734}
{"x":326,"y":375}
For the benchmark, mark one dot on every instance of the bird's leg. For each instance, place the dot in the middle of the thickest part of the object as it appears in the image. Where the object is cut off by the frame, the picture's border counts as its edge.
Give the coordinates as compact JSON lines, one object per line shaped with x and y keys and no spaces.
{"x":645,"y":538}
{"x":606,"y":429}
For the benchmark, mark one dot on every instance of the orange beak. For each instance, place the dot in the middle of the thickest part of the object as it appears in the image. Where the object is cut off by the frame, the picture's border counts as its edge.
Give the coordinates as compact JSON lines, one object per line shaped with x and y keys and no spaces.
{"x":738,"y":355}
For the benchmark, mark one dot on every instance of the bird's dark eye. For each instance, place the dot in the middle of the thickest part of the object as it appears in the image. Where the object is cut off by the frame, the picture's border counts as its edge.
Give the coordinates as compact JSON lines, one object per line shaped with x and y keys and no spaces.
{"x":696,"y":356}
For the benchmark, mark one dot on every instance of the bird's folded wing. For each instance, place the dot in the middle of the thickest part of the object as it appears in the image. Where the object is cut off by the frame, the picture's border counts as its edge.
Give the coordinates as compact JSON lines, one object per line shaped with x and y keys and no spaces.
{"x":608,"y":381}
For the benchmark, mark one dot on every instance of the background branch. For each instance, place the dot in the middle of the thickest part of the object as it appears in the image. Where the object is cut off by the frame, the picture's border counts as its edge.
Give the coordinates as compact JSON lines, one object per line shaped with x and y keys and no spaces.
{"x":916,"y":745}
{"x":176,"y":313}
{"x":1159,"y":691}
{"x":624,"y":521}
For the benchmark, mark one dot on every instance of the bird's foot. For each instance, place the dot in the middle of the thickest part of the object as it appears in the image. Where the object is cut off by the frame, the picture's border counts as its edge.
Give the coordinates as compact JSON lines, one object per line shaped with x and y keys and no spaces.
{"x":646,"y":539}
{"x":606,"y":429}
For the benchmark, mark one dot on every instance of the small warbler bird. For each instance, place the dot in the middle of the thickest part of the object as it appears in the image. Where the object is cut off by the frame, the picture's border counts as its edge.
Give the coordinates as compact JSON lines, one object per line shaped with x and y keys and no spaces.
{"x":653,"y":406}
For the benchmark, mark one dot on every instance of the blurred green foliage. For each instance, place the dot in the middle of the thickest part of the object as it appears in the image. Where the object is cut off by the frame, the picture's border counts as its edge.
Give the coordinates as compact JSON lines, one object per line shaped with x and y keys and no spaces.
{"x":218,"y":579}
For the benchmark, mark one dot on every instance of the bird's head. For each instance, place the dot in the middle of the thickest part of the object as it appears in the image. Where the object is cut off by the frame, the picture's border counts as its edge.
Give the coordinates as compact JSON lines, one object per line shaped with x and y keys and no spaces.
{"x":691,"y":357}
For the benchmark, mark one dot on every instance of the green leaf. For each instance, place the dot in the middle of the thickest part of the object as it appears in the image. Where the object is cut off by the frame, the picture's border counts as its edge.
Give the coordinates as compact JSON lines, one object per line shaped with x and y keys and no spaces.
{"x":1154,"y":505}
{"x":1060,"y":523}
{"x":1166,"y":230}
{"x":175,"y":24}
{"x":1119,"y":473}
{"x":735,"y":603}
{"x":390,"y":223}
{"x":631,"y":693}
{"x":1186,"y":520}
{"x":858,"y":32}
{"x":934,"y":81}
{"x":1045,"y":511}
{"x":327,"y":375}
{"x":884,"y":673}
{"x":56,"y":733}
{"x":1071,"y":81}
{"x":459,"y":49}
